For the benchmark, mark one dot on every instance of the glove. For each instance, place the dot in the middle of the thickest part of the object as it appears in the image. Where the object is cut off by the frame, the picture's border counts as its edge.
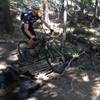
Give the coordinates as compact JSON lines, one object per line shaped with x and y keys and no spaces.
{"x":34,"y":38}
{"x":51,"y":31}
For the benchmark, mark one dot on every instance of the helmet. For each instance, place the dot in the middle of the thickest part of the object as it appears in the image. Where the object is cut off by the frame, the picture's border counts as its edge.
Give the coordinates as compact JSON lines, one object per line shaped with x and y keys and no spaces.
{"x":35,"y":5}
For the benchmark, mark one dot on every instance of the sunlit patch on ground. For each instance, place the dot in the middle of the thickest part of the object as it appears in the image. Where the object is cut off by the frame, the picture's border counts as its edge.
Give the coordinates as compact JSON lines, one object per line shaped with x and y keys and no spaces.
{"x":51,"y":85}
{"x":32,"y":98}
{"x":42,"y":76}
{"x":13,"y":56}
{"x":90,"y":30}
{"x":85,"y":77}
{"x":18,"y":17}
{"x":2,"y":50}
{"x":96,"y":92}
{"x":3,"y":65}
{"x":92,"y":39}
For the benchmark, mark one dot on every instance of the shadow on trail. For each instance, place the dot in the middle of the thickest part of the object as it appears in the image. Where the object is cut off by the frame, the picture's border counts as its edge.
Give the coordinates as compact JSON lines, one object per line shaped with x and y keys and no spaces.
{"x":72,"y":85}
{"x":15,"y":85}
{"x":8,"y":52}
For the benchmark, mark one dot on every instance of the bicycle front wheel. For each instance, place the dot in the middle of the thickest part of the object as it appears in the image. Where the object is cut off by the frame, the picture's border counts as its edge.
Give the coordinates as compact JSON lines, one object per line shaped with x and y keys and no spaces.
{"x":56,"y":60}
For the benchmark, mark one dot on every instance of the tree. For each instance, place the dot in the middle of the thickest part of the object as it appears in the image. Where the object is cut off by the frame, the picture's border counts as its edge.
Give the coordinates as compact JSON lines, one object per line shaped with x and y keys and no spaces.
{"x":65,"y":3}
{"x":96,"y":8}
{"x":45,"y":10}
{"x":5,"y":20}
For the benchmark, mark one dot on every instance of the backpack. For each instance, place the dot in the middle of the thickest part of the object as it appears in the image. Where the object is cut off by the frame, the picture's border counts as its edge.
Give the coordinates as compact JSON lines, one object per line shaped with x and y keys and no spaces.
{"x":23,"y":15}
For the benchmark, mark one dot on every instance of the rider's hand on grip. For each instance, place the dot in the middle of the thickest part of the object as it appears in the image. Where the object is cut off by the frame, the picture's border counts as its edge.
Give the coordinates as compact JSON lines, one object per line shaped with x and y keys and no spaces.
{"x":34,"y":38}
{"x":51,"y":31}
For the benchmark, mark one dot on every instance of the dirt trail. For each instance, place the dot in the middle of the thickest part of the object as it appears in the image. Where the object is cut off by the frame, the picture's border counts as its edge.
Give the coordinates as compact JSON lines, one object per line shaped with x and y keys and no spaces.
{"x":72,"y":85}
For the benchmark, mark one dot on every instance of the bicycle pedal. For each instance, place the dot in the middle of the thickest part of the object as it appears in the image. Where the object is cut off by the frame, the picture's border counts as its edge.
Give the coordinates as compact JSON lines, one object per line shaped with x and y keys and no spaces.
{"x":28,"y":74}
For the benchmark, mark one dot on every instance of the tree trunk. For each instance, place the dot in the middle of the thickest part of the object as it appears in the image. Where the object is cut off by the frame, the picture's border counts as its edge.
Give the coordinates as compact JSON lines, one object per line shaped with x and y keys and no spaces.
{"x":82,"y":6}
{"x":45,"y":8}
{"x":65,"y":22}
{"x":96,"y":8}
{"x":5,"y":19}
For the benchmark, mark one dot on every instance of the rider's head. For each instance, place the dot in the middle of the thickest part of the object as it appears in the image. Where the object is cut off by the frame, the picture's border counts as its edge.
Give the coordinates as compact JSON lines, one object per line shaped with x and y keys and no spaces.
{"x":35,"y":7}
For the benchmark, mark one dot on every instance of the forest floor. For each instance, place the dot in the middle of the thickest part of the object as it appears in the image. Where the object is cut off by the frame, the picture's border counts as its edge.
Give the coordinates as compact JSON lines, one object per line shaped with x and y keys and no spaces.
{"x":73,"y":84}
{"x":81,"y":81}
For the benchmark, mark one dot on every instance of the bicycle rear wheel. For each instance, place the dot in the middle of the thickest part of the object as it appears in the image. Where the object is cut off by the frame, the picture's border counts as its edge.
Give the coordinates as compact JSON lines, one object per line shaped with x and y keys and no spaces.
{"x":29,"y":55}
{"x":56,"y":60}
{"x":24,"y":55}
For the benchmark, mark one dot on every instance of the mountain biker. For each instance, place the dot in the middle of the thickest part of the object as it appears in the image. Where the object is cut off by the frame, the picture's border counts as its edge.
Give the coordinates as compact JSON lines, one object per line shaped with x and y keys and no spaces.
{"x":27,"y":22}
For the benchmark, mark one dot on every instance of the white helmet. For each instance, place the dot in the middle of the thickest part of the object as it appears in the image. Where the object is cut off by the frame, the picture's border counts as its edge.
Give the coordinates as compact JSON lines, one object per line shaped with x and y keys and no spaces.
{"x":35,"y":5}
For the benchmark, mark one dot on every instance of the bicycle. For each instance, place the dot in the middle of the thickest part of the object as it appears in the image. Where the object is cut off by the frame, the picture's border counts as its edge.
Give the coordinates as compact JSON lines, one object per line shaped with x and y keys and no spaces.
{"x":44,"y":50}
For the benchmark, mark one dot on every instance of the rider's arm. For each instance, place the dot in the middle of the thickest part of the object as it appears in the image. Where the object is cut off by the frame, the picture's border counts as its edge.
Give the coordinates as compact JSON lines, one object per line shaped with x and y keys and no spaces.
{"x":26,"y":27}
{"x":45,"y":24}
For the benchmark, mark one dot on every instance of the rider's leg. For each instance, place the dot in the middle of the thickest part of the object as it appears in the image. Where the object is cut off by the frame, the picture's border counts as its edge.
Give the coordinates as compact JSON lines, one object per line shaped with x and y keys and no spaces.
{"x":31,"y":42}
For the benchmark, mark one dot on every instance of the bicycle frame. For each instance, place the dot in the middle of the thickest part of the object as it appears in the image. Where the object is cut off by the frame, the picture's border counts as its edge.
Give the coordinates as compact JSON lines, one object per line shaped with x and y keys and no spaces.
{"x":46,"y":50}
